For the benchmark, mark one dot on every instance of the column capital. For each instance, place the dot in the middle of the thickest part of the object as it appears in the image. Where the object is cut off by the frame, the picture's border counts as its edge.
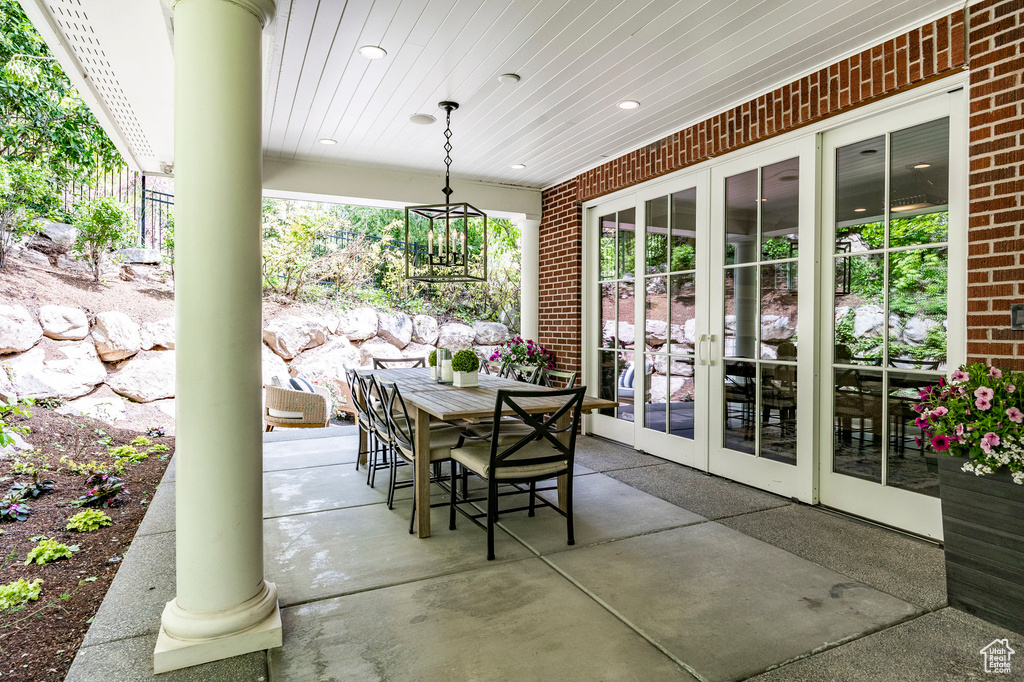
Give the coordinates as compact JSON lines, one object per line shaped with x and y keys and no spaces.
{"x":263,"y":10}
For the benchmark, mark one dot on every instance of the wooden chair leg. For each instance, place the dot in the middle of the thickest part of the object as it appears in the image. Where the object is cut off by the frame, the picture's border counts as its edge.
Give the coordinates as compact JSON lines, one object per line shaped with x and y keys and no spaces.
{"x":269,"y":428}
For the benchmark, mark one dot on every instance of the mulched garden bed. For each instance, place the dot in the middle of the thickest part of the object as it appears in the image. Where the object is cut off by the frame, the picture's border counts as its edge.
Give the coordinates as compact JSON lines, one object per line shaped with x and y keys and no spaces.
{"x":39,"y":640}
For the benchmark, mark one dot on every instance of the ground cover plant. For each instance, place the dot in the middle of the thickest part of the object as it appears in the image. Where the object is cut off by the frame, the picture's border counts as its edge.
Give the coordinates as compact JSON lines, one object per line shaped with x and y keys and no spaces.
{"x":49,"y":593}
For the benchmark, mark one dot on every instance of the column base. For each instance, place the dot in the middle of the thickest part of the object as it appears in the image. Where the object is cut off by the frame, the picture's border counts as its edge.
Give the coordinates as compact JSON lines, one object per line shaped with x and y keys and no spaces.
{"x":172,"y":654}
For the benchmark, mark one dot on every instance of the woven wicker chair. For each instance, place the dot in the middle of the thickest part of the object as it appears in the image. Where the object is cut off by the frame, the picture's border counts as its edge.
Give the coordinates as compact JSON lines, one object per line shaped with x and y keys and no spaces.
{"x":296,"y":409}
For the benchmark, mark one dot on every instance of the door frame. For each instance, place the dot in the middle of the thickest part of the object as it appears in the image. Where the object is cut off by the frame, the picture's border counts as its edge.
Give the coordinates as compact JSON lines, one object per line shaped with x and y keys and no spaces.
{"x":916,"y":513}
{"x":794,"y":481}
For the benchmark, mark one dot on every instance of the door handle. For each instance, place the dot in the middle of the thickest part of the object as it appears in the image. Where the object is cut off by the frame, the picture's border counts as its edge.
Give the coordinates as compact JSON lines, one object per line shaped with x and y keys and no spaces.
{"x":711,"y":350}
{"x":700,"y":349}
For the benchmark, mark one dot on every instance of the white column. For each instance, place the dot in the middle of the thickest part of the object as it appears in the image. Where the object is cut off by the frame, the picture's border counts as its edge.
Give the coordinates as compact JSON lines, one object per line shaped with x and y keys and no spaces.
{"x":223,"y":606}
{"x":529,"y":292}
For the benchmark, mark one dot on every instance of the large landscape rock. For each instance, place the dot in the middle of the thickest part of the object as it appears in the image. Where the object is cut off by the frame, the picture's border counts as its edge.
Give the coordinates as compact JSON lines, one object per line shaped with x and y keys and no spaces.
{"x":273,"y":366}
{"x":289,"y":335}
{"x":626,"y":332}
{"x":141,"y":256}
{"x":657,"y":333}
{"x":158,"y":335}
{"x":147,"y":377}
{"x":329,"y":362}
{"x":358,"y":324}
{"x":395,"y":328}
{"x":425,"y":330}
{"x":376,"y":348}
{"x":662,"y":389}
{"x":116,"y":336}
{"x":417,"y":350}
{"x":455,"y":336}
{"x":65,"y":369}
{"x":490,"y":333}
{"x":63,"y":322}
{"x":61,"y":234}
{"x":18,"y":330}
{"x":776,"y":328}
{"x":107,"y":409}
{"x":916,"y":331}
{"x":673,"y":365}
{"x":868,"y":320}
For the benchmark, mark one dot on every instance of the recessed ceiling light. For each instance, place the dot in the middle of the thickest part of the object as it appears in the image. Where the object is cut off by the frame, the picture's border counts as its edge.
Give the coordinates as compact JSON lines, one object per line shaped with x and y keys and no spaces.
{"x":628,"y":104}
{"x":923,"y":165}
{"x":518,"y":166}
{"x":327,"y":140}
{"x":509,"y":78}
{"x":422,"y":119}
{"x":859,"y":210}
{"x":373,"y":52}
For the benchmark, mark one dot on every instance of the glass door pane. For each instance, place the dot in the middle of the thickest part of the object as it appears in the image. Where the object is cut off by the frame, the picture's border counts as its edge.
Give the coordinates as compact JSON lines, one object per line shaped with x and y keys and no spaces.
{"x":762,"y":240}
{"x":618,"y":335}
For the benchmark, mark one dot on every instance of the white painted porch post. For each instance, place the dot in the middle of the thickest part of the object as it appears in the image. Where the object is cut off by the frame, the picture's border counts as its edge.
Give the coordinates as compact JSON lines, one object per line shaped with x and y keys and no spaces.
{"x":529,"y":291}
{"x":223,"y":606}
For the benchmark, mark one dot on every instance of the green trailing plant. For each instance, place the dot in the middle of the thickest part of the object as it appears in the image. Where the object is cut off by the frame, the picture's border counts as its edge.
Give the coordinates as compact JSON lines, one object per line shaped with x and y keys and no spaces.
{"x":465,"y":361}
{"x":432,"y":358}
{"x":47,"y":550}
{"x":13,"y":508}
{"x":17,"y":593}
{"x":104,"y":224}
{"x":159,"y":447}
{"x":88,"y":520}
{"x":141,"y":442}
{"x":104,"y":488}
{"x":519,"y":351}
{"x":34,"y":489}
{"x":91,"y":467}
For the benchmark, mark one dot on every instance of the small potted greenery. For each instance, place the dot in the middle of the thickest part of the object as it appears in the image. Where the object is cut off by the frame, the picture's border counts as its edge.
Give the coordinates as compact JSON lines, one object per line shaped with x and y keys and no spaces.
{"x":465,"y":367}
{"x":432,"y":363}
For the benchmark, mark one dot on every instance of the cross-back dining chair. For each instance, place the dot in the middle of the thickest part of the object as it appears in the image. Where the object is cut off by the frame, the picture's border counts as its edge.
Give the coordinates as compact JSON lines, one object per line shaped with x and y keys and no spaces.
{"x":394,"y":363}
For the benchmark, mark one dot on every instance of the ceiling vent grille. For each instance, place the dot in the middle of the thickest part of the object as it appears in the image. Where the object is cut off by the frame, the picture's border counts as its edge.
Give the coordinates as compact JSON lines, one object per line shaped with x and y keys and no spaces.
{"x":74,"y":23}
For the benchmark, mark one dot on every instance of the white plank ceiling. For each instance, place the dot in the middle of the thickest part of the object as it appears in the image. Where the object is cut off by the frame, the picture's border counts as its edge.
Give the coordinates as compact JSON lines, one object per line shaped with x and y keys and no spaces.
{"x":682,"y":60}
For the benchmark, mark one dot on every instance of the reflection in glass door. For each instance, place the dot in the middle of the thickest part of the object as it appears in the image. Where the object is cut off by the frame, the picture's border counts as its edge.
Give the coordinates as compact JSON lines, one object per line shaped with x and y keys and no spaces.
{"x":890,"y":211}
{"x":759,"y":422}
{"x":617,"y":335}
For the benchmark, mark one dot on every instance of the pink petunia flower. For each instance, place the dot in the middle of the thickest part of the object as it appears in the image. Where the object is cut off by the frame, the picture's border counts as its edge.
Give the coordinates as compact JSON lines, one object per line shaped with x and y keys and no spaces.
{"x":939,"y":411}
{"x":959,"y":376}
{"x":982,"y":404}
{"x":995,"y":372}
{"x":959,"y":430}
{"x":940,"y":442}
{"x":1010,"y":388}
{"x":989,"y":441}
{"x":984,"y":392}
{"x":1015,"y":415}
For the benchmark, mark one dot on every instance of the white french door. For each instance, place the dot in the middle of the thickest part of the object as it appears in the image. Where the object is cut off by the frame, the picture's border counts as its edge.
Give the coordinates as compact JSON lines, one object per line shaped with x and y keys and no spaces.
{"x":760,"y":429}
{"x":892,"y":223}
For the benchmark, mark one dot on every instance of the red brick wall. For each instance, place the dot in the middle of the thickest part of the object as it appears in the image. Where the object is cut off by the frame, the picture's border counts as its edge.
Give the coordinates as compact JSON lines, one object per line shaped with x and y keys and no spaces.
{"x":923,"y":54}
{"x":561,"y":248}
{"x":996,"y":229}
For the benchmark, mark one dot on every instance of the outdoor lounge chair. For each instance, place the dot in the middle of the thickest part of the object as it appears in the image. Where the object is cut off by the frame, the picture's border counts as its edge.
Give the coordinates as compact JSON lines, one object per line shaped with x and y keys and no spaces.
{"x":292,"y":408}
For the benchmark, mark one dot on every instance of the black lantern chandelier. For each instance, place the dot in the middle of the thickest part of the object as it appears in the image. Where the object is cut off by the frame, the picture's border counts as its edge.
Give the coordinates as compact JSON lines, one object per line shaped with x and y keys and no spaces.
{"x":450,"y":254}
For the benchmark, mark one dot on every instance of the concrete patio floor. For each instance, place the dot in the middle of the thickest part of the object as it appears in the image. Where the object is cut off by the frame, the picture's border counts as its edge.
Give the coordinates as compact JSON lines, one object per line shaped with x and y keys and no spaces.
{"x":675,"y":575}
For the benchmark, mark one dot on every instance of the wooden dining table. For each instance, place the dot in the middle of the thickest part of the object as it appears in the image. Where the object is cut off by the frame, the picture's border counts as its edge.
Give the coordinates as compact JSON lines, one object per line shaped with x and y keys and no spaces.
{"x":430,"y":401}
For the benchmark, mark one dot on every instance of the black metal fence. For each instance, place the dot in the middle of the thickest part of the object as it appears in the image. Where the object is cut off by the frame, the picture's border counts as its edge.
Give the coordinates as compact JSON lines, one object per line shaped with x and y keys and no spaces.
{"x":155,"y":216}
{"x":343,"y":238}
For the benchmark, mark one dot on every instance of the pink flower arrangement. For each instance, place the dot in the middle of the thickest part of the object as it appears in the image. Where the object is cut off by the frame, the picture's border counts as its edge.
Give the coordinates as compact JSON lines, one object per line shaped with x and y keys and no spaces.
{"x":977,"y":415}
{"x":519,"y":351}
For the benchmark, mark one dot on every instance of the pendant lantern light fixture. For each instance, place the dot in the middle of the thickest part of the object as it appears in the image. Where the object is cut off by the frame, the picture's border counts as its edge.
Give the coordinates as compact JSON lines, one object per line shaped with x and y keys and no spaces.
{"x":456,"y":249}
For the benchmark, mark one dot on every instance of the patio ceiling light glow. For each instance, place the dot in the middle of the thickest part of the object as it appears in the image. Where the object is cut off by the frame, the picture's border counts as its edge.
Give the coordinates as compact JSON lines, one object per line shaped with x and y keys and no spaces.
{"x":922,"y":165}
{"x":327,"y":140}
{"x":452,"y":253}
{"x":859,"y":210}
{"x":518,"y":166}
{"x":373,"y":51}
{"x":509,"y":78}
{"x":628,"y":104}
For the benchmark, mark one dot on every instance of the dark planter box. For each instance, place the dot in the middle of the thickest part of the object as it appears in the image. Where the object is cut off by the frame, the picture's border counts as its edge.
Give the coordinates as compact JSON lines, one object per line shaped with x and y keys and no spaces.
{"x":983,"y":527}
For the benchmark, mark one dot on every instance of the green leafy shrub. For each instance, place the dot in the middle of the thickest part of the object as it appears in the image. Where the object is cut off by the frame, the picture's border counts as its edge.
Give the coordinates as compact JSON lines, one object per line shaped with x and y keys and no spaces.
{"x":47,"y":550}
{"x":103,"y":491}
{"x":104,"y":224}
{"x":465,"y":361}
{"x":91,"y":467}
{"x":141,"y":442}
{"x":88,"y":520}
{"x":26,"y":191}
{"x":20,"y":591}
{"x":432,"y":358}
{"x":159,"y":447}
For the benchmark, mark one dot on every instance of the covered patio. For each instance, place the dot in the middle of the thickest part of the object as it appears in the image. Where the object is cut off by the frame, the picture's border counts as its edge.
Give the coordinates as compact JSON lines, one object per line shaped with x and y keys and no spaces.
{"x":676,"y":575}
{"x":601,"y":128}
